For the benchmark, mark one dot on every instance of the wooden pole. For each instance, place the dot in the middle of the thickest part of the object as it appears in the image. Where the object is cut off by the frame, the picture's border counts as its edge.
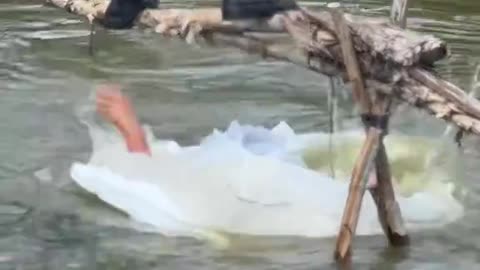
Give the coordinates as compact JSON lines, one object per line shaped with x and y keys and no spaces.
{"x":373,"y":150}
{"x":398,"y":12}
{"x":360,"y":173}
{"x":389,"y":213}
{"x":364,"y":162}
{"x":351,"y":63}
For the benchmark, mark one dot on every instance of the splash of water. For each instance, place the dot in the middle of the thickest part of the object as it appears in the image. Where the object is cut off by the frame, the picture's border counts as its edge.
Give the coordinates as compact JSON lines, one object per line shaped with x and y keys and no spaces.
{"x":245,"y":180}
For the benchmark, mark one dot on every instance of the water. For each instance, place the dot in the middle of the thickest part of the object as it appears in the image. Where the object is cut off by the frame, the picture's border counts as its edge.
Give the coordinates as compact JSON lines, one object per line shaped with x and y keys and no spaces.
{"x":184,"y":92}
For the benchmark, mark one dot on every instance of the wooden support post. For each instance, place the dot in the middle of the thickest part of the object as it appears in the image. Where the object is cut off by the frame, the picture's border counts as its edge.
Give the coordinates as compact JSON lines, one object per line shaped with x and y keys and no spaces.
{"x":373,"y":150}
{"x":369,"y":150}
{"x":351,"y":63}
{"x":389,"y":213}
{"x":360,"y":173}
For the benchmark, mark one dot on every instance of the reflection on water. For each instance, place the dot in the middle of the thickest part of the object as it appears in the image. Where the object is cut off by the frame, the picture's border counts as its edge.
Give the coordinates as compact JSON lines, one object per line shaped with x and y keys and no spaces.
{"x":184,"y":92}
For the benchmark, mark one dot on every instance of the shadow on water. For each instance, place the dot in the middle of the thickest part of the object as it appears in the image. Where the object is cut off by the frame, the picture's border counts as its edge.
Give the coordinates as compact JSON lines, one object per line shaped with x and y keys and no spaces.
{"x":184,"y":92}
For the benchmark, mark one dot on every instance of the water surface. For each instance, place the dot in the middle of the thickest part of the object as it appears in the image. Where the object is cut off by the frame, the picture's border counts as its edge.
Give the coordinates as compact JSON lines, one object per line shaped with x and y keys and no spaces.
{"x":184,"y":92}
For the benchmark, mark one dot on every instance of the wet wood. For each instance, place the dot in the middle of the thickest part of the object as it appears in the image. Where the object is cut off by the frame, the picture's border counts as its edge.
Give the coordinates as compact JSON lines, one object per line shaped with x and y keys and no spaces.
{"x":368,"y":153}
{"x":389,"y":213}
{"x":361,"y":170}
{"x":350,"y":62}
{"x":377,"y":38}
{"x":468,"y":104}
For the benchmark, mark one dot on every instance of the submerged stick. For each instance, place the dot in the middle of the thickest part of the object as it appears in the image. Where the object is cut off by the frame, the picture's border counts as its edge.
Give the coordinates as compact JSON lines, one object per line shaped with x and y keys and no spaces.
{"x":332,"y":107}
{"x":91,"y":39}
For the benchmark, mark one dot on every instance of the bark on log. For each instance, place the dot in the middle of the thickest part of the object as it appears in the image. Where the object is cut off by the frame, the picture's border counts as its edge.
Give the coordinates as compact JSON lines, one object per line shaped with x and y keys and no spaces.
{"x":390,"y":43}
{"x":449,"y":91}
{"x":384,"y":50}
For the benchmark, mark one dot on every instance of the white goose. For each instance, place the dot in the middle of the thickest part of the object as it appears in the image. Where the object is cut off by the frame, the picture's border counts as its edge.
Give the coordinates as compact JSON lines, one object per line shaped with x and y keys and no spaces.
{"x":246,"y":180}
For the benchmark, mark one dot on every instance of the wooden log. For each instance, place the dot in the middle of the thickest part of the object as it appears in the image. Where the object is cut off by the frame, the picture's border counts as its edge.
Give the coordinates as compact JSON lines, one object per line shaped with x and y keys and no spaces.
{"x":389,"y":213}
{"x":378,"y":38}
{"x":361,"y":170}
{"x":282,"y":52}
{"x":422,"y":97}
{"x":351,"y":64}
{"x":363,"y":165}
{"x":454,"y":94}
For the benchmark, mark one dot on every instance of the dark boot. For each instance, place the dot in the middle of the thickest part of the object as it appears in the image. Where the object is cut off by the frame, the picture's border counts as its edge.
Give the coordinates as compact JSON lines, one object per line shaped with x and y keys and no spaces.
{"x":121,"y":14}
{"x":255,"y":9}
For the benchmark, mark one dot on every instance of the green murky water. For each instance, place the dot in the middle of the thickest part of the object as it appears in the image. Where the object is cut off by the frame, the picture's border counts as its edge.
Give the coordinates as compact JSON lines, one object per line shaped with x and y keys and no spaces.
{"x":184,"y":92}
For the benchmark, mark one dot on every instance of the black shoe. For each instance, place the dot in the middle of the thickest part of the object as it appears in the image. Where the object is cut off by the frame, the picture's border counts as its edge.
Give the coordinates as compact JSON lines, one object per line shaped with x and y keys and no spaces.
{"x":121,"y":14}
{"x":255,"y":9}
